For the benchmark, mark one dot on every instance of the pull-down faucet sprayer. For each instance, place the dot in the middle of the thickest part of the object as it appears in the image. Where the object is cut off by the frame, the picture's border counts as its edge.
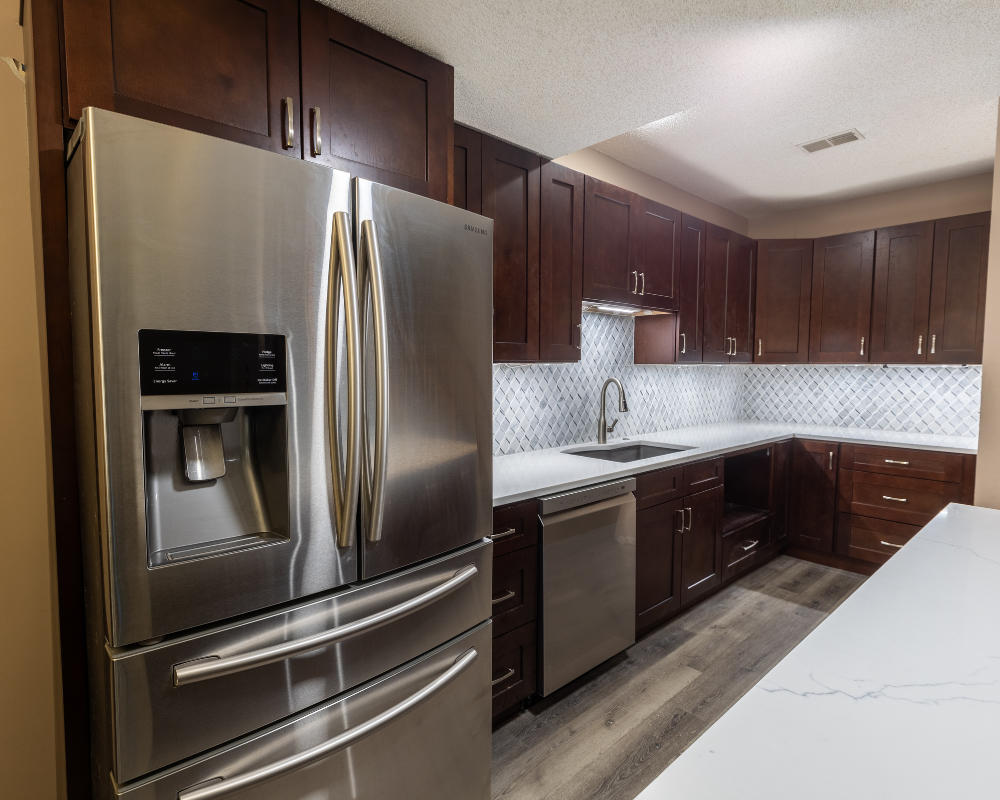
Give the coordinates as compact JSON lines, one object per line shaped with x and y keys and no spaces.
{"x":603,"y":429}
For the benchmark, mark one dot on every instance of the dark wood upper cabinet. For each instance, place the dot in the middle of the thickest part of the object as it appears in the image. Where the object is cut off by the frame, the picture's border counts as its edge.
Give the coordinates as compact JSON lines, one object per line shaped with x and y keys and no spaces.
{"x":657,"y":563}
{"x":840,"y":323}
{"x":730,"y":264}
{"x":659,"y":257}
{"x":385,"y":111}
{"x":781,"y":321}
{"x":560,"y":263}
{"x":901,"y":294}
{"x":611,"y":243}
{"x":812,"y":501}
{"x":655,"y":339}
{"x":690,"y":317}
{"x":221,"y":67}
{"x":511,"y":189}
{"x":701,"y":546}
{"x":468,"y":175}
{"x":958,"y":289}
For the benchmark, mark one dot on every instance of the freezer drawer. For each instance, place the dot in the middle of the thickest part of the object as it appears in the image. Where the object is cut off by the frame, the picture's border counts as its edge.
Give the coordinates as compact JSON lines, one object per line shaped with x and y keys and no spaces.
{"x":438,"y":749}
{"x":158,"y":722}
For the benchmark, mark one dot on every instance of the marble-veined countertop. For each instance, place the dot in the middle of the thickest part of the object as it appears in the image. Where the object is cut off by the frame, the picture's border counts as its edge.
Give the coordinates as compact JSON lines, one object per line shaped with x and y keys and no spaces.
{"x":520,"y":476}
{"x":895,"y":695}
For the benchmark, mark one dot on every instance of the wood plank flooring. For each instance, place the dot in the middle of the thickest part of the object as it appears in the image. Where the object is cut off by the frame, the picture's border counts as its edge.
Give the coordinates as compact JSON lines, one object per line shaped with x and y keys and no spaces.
{"x":609,"y":733}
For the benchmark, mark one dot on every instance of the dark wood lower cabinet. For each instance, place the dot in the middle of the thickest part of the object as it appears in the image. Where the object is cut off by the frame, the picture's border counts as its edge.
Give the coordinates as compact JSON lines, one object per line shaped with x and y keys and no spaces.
{"x":515,"y":590}
{"x":657,"y":564}
{"x":812,"y":504}
{"x":868,"y":539}
{"x":701,"y":559}
{"x":515,"y":665}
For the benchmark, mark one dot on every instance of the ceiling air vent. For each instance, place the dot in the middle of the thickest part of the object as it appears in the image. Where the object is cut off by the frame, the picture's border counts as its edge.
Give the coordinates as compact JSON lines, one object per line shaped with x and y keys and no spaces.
{"x":832,"y":141}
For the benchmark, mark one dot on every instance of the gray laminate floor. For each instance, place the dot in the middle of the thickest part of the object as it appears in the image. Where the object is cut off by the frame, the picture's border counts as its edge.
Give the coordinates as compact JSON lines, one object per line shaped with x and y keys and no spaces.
{"x":609,"y":733}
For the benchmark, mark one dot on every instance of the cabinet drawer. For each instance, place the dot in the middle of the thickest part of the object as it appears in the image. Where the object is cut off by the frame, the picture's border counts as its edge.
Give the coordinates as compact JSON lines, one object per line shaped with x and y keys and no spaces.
{"x":703,"y":475}
{"x":515,"y":590}
{"x":741,"y":548}
{"x":875,"y":540}
{"x":514,"y":527}
{"x":905,"y":463}
{"x":515,"y":662}
{"x":908,"y":500}
{"x":660,"y":486}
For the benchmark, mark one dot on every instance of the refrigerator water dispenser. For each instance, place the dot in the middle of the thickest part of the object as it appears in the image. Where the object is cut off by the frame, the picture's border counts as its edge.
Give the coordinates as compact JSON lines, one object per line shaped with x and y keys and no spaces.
{"x":215,"y":445}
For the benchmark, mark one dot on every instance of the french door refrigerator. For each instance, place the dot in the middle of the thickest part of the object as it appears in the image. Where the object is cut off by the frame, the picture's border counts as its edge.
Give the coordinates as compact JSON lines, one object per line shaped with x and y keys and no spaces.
{"x":284,"y":395}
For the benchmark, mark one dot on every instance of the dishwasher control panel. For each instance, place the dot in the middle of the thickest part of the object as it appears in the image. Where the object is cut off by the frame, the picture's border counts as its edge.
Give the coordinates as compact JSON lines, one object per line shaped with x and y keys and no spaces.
{"x":586,"y":495}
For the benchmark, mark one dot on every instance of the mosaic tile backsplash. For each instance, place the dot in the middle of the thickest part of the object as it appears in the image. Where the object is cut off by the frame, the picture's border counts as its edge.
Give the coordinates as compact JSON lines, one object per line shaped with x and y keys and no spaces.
{"x":551,"y":405}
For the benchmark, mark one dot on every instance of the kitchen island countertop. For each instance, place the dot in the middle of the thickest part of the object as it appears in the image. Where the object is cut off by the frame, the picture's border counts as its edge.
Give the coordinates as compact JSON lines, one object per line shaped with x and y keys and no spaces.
{"x":895,"y":695}
{"x":521,"y":476}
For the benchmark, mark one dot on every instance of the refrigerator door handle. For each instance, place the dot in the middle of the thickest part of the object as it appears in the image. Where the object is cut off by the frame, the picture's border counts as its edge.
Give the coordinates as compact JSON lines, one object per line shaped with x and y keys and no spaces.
{"x":214,"y":667}
{"x":375,"y":471}
{"x":343,"y":281}
{"x":222,"y":788}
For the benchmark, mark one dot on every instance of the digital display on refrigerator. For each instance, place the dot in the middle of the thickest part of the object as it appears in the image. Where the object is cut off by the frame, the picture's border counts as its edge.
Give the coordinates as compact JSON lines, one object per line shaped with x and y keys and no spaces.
{"x":200,"y":362}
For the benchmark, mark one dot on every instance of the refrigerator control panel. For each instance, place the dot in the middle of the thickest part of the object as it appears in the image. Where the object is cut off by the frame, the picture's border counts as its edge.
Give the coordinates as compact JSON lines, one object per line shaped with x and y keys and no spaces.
{"x":211,"y":364}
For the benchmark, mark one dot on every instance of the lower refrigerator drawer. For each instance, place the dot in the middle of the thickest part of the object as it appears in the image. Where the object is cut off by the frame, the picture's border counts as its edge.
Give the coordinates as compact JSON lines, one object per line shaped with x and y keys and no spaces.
{"x":428,"y":737}
{"x":188,"y":694}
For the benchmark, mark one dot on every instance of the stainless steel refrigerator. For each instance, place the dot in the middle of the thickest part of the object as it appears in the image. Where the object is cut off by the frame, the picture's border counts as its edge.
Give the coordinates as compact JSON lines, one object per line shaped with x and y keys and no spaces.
{"x":284,"y":404}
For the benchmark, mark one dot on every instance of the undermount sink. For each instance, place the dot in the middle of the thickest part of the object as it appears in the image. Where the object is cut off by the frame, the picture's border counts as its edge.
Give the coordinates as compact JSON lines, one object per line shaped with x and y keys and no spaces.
{"x":624,"y":452}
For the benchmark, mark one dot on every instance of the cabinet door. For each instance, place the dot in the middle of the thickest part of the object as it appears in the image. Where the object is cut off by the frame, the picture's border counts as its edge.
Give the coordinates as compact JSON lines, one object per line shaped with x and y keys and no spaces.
{"x":660,"y":256}
{"x":386,"y":111}
{"x":902,"y":293}
{"x":839,"y":331}
{"x":467,"y":189}
{"x":812,"y":504}
{"x":780,"y":478}
{"x":221,"y":67}
{"x":560,"y":263}
{"x":691,"y":281}
{"x":716,"y":346}
{"x":511,"y":185}
{"x":740,"y":297}
{"x":655,"y":339}
{"x":657,"y":563}
{"x":958,"y":289}
{"x":701,"y":549}
{"x":611,"y":243}
{"x":784,"y":281}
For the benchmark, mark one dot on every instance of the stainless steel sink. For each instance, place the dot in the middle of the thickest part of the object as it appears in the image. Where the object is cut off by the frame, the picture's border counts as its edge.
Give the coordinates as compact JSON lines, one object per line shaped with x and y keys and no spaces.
{"x":627,"y":451}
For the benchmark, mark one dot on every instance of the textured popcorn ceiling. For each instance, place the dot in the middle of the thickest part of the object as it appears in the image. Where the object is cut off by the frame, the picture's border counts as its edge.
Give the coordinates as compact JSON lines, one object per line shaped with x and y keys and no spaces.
{"x":713,"y":96}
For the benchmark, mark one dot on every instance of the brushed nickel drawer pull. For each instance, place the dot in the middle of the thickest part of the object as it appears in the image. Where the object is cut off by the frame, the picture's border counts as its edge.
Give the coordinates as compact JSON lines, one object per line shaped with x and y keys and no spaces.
{"x":760,"y":345}
{"x":643,"y":274}
{"x":503,"y":677}
{"x":684,"y":343}
{"x":635,"y":274}
{"x":503,"y":535}
{"x":831,"y":459}
{"x":507,"y":596}
{"x":933,"y":343}
{"x":901,"y":463}
{"x":920,"y":345}
{"x":750,"y":546}
{"x":894,"y":499}
{"x":862,"y":345}
{"x":890,"y":544}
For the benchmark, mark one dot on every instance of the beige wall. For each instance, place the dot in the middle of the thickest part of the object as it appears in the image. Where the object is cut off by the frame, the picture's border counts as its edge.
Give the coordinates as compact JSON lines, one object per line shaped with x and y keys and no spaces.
{"x":988,"y":461}
{"x":930,"y":201}
{"x":605,"y":168}
{"x":30,"y":712}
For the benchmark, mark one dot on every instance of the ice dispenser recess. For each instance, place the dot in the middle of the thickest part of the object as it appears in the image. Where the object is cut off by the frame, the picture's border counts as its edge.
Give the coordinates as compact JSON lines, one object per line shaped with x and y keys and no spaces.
{"x":215,"y":442}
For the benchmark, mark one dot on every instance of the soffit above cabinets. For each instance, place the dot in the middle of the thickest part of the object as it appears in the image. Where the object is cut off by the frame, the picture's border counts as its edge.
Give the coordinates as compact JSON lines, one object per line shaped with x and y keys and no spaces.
{"x":714,"y":96}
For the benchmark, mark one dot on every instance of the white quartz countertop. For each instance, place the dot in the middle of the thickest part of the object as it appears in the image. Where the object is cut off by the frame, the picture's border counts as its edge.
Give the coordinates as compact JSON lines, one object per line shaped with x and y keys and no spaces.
{"x":895,"y":695}
{"x":520,"y":476}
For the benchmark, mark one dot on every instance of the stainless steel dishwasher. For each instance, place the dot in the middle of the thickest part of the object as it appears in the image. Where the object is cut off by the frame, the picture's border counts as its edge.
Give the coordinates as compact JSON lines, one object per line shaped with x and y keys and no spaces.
{"x":588,"y":579}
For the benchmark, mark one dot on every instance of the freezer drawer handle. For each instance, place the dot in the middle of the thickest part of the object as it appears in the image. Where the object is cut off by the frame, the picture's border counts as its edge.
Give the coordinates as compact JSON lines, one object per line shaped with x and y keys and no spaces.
{"x":203,"y":669}
{"x":348,"y":738}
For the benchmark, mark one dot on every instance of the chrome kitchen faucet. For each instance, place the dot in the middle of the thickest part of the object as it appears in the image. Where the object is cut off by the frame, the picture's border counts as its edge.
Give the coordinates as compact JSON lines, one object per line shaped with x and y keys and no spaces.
{"x":603,"y":429}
